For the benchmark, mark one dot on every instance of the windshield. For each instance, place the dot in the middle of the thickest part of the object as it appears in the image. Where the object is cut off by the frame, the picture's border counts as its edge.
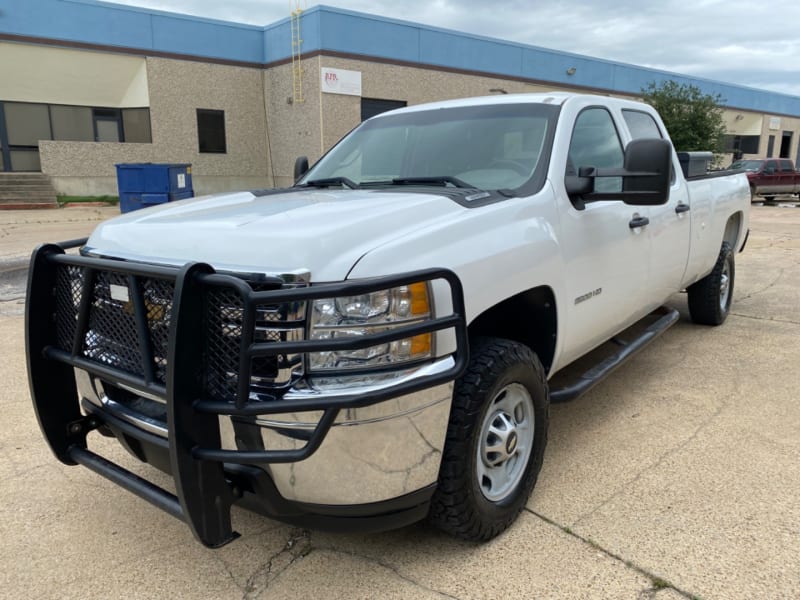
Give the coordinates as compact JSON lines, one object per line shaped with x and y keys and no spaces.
{"x":747,"y":165}
{"x":491,"y":147}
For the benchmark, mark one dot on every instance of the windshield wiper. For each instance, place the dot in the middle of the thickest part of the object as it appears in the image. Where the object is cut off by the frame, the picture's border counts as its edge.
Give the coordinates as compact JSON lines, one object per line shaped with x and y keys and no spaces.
{"x":329,"y":181}
{"x":432,"y":180}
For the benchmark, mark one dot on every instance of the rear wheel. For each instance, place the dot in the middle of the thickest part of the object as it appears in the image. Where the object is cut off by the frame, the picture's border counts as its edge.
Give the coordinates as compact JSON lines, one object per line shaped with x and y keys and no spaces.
{"x":495,"y":441}
{"x":710,"y":298}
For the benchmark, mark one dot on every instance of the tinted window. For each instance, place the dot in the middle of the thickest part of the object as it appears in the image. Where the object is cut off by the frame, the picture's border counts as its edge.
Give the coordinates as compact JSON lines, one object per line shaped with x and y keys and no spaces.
{"x":136,"y":124}
{"x":72,"y":123}
{"x":211,"y":130}
{"x":747,"y":165}
{"x":27,"y":123}
{"x":641,"y":125}
{"x":786,"y":165}
{"x":771,"y":164}
{"x":595,"y":143}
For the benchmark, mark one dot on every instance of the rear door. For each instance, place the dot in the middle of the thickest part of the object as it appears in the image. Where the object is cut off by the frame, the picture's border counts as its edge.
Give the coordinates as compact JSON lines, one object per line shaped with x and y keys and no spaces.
{"x":786,"y":173}
{"x":770,"y":178}
{"x":670,"y":223}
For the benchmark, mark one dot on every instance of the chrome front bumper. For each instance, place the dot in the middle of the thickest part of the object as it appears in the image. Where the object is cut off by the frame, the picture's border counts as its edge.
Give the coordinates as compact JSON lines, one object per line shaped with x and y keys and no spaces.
{"x":371,"y":453}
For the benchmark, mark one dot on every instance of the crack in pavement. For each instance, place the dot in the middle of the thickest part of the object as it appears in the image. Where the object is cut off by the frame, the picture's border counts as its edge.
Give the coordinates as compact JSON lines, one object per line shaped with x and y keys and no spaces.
{"x":659,"y":583}
{"x":663,"y":457}
{"x":770,"y":319}
{"x":386,"y":566}
{"x":296,"y":547}
{"x":761,"y":291}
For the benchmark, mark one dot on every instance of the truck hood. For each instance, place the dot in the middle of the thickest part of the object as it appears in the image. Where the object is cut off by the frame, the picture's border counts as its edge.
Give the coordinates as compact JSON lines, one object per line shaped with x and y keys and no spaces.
{"x":324,"y":232}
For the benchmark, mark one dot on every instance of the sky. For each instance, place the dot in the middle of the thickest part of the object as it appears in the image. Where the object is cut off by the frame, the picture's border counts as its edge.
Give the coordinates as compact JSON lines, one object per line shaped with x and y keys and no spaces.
{"x":734,"y":41}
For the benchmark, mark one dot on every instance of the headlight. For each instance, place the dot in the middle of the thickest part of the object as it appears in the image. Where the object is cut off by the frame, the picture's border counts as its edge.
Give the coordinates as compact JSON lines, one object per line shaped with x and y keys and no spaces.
{"x":377,"y":312}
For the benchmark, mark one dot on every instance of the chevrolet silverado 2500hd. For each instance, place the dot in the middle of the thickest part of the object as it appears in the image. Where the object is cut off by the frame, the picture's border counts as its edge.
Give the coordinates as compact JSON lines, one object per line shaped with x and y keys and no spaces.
{"x":373,"y":345}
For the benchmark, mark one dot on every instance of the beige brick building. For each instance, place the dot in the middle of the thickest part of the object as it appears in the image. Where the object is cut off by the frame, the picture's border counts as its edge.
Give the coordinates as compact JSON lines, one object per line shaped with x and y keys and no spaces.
{"x":146,"y":86}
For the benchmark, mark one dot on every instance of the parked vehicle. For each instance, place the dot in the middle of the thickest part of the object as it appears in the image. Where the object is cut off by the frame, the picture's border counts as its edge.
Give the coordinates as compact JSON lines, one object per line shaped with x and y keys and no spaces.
{"x":769,"y":177}
{"x":372,"y":346}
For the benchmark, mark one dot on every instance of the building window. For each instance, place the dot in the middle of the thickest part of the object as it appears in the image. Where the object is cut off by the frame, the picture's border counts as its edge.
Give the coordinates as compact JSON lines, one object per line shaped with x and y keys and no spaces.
{"x":211,"y":130}
{"x":373,"y":106}
{"x":770,"y":146}
{"x":136,"y":125}
{"x":741,"y":144}
{"x":27,"y":124}
{"x":107,"y":125}
{"x":72,"y":123}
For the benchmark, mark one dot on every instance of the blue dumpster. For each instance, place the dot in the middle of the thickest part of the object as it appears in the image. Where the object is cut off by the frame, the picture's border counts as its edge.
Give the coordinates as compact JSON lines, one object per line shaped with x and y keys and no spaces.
{"x":145,"y":184}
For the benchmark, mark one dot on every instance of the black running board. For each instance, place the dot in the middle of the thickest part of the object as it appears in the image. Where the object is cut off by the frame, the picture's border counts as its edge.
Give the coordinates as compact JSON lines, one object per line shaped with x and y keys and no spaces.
{"x":608,"y":365}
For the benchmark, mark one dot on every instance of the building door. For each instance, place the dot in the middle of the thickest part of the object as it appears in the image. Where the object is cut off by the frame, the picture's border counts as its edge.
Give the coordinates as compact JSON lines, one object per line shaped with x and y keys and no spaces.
{"x":5,"y":159}
{"x":786,"y":144}
{"x":373,"y":106}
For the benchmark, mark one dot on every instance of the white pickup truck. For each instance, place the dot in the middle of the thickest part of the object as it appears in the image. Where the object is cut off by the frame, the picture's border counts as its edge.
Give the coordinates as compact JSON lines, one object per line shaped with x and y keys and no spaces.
{"x":373,"y":345}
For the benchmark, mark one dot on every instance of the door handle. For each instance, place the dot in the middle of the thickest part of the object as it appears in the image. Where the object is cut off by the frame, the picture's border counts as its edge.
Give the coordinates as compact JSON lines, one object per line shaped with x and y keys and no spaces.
{"x":638,"y":221}
{"x":681,"y":208}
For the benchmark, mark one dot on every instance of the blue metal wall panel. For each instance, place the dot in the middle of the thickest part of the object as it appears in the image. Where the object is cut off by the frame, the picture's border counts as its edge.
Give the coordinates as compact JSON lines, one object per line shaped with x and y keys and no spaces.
{"x":455,"y":50}
{"x":199,"y":38}
{"x":278,"y":40}
{"x":324,"y":28}
{"x":129,"y":27}
{"x":342,"y":31}
{"x":552,"y":66}
{"x":76,"y":21}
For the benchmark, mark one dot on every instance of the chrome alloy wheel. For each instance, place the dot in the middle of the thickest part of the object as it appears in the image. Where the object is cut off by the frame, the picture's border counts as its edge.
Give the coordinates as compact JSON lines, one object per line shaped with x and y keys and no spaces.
{"x":505,"y":442}
{"x":725,"y":285}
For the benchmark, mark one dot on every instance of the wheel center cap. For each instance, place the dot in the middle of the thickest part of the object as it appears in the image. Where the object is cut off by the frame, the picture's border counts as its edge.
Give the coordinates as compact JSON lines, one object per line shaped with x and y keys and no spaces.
{"x":511,"y":443}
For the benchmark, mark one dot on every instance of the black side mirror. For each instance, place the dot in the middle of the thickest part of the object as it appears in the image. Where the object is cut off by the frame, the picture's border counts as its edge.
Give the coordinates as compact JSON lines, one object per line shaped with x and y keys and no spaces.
{"x":645,"y":175}
{"x":300,"y":167}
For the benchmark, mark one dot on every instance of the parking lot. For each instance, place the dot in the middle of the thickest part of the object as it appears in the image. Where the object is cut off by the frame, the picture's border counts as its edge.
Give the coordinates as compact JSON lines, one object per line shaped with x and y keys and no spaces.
{"x":677,"y":477}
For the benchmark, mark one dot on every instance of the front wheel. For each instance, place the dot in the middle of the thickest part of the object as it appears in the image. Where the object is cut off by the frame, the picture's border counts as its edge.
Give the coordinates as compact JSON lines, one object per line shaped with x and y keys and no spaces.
{"x":495,"y":441}
{"x":710,"y":298}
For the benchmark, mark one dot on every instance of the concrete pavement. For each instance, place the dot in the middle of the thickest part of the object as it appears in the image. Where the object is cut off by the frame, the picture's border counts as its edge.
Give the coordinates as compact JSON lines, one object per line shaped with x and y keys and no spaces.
{"x":677,"y":477}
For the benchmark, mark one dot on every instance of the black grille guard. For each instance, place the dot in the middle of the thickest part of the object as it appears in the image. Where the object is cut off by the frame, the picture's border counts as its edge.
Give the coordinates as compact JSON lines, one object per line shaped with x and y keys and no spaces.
{"x":204,"y":494}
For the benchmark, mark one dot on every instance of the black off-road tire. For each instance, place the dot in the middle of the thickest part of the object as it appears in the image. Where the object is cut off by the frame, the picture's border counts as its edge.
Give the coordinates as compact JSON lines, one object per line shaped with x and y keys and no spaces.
{"x":707,"y":306}
{"x":459,"y":507}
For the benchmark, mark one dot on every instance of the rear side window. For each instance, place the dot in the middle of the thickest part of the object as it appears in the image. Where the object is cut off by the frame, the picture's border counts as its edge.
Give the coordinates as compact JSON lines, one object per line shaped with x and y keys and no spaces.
{"x":786,"y":165}
{"x":641,"y":125}
{"x":595,"y":143}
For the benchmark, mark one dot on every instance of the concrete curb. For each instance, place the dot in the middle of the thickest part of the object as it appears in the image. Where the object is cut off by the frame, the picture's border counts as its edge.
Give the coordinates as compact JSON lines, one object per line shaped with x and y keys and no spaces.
{"x":14,"y":263}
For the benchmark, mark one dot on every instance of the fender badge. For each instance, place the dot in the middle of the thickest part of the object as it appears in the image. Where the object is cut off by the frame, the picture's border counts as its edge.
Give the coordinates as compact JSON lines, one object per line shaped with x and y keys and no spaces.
{"x":588,"y":296}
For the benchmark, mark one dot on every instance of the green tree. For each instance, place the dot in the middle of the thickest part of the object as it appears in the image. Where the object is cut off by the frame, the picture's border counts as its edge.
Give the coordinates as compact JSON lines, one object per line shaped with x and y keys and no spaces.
{"x":693,"y":119}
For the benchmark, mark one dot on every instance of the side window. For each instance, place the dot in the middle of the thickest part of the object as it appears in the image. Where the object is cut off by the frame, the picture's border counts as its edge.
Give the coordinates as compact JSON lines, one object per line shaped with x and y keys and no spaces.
{"x":786,"y":165}
{"x":595,"y":143}
{"x":641,"y":125}
{"x":771,"y":166}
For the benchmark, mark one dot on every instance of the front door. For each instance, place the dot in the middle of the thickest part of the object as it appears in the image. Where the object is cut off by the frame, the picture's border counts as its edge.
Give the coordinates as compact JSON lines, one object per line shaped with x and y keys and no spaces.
{"x":606,"y":255}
